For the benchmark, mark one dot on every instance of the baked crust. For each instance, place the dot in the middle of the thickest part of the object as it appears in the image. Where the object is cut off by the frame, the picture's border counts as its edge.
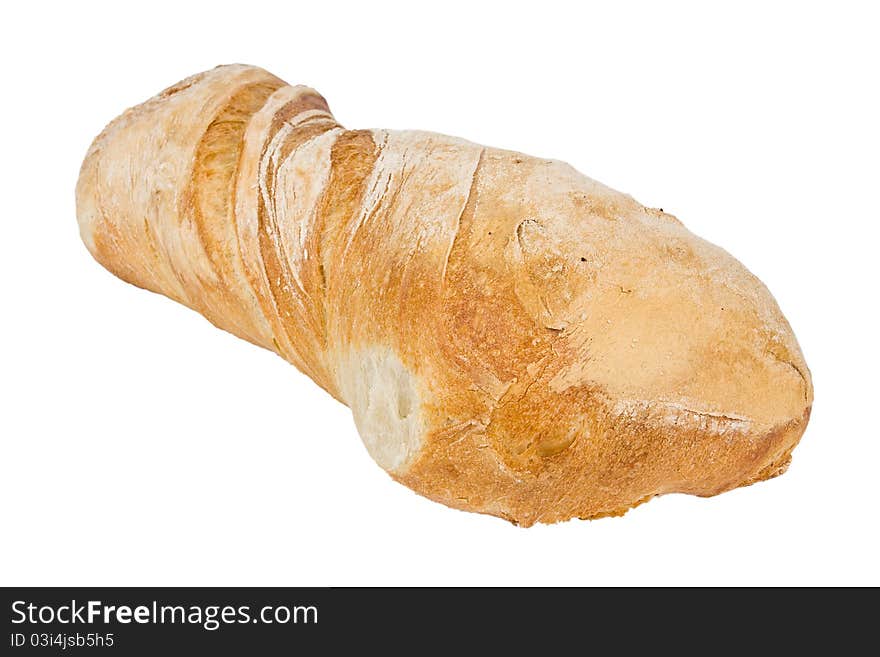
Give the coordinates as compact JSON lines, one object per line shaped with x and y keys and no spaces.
{"x":513,"y":337}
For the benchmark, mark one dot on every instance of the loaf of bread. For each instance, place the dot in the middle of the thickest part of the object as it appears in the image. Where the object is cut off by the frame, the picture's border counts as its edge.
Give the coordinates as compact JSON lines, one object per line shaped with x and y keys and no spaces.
{"x":512,"y":337}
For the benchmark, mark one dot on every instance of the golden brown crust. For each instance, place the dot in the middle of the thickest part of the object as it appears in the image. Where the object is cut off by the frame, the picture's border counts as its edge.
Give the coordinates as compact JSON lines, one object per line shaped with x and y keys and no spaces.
{"x":513,"y":337}
{"x":208,"y":199}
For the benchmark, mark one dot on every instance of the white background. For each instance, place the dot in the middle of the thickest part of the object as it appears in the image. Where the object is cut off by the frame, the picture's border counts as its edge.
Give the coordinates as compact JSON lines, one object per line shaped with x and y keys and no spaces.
{"x":142,"y":446}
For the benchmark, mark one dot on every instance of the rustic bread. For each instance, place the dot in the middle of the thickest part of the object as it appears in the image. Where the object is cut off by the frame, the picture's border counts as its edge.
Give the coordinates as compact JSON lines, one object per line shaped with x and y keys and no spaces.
{"x":512,"y":337}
